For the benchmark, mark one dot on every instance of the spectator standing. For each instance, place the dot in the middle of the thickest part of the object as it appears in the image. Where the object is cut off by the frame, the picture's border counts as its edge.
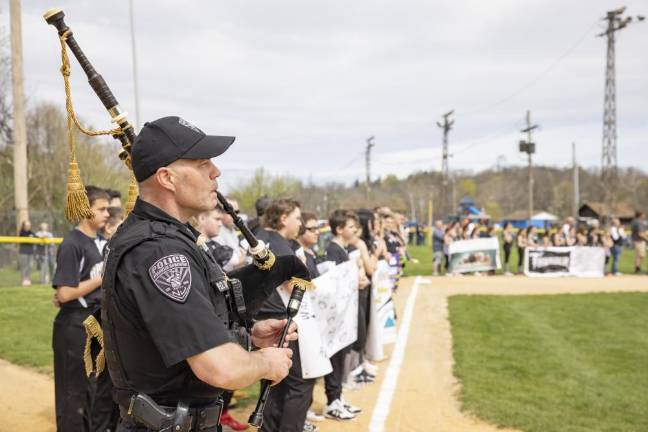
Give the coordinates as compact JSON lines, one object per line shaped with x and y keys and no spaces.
{"x":521,"y":241}
{"x":82,"y":403}
{"x":255,"y":225}
{"x":438,"y":246}
{"x":25,"y":253}
{"x":115,"y":198}
{"x":343,"y":227}
{"x":618,"y":236}
{"x":507,"y":245}
{"x":290,"y":399}
{"x":44,"y":254}
{"x":450,"y":236}
{"x":639,"y":230}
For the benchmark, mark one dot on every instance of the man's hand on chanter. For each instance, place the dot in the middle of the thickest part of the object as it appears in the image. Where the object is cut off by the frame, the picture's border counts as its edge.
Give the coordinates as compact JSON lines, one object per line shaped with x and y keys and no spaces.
{"x":279,"y":361}
{"x":266,"y":333}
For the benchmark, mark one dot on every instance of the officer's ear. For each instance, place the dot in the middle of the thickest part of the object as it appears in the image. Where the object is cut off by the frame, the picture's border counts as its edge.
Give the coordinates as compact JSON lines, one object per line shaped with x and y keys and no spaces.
{"x":167,"y":178}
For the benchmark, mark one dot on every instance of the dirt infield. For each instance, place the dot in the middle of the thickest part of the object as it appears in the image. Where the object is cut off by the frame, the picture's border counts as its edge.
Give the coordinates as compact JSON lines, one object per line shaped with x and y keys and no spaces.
{"x":424,"y":398}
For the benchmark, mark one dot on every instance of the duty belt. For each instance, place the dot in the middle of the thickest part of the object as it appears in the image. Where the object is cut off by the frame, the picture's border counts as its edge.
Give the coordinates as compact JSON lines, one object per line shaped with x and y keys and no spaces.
{"x":141,"y":410}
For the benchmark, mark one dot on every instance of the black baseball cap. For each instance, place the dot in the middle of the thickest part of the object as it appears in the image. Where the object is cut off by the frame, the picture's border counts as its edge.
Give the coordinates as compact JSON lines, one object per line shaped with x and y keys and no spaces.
{"x":168,"y":139}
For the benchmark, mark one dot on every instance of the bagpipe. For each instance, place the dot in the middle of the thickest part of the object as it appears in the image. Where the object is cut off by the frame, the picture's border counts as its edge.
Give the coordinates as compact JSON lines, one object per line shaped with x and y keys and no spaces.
{"x":265,"y":276}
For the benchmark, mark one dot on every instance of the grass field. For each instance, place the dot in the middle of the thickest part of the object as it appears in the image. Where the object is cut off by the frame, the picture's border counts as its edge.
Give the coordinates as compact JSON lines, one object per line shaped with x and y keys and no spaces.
{"x":26,"y":317}
{"x":424,"y":266}
{"x":553,"y":363}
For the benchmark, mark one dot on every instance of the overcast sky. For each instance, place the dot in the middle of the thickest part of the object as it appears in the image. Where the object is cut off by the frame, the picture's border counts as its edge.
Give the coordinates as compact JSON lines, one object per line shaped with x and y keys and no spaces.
{"x":302,"y":84}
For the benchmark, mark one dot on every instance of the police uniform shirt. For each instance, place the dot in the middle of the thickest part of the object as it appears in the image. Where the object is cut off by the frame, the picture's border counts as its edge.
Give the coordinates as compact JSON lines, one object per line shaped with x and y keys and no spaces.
{"x":166,"y":325}
{"x":78,"y":259}
{"x":336,"y":253}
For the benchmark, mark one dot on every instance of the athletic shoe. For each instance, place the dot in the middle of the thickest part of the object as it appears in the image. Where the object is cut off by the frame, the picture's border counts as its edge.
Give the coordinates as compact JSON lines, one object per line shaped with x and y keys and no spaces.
{"x":336,"y":411}
{"x":310,"y":427}
{"x":352,"y":409}
{"x":229,"y":421}
{"x":372,"y":369}
{"x":364,"y":378}
{"x":313,"y":416}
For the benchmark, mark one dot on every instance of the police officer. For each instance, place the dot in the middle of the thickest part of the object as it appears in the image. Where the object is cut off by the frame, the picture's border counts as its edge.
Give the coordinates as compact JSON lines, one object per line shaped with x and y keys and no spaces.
{"x":168,"y":344}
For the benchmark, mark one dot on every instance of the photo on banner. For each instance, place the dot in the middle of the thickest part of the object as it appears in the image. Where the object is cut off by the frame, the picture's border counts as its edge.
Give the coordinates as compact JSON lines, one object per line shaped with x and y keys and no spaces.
{"x":477,"y":255}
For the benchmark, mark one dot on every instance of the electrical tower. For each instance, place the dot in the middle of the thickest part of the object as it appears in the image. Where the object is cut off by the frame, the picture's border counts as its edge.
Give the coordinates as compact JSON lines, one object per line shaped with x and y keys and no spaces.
{"x":370,"y":144}
{"x":615,"y":22}
{"x":528,"y":147}
{"x":445,"y":170}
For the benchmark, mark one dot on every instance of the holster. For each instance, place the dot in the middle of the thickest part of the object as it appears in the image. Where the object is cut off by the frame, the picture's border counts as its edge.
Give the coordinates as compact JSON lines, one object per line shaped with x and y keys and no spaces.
{"x":144,"y":411}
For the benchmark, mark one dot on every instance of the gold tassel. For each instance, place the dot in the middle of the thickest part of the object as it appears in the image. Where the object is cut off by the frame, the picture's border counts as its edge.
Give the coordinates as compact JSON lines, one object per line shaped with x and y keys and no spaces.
{"x":77,"y":206}
{"x":265,"y":263}
{"x":302,"y":284}
{"x":132,"y":195}
{"x":93,"y":330}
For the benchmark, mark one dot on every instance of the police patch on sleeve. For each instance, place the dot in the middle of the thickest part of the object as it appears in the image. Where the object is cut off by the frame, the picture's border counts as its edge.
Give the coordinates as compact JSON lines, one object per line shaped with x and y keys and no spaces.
{"x":172,"y":275}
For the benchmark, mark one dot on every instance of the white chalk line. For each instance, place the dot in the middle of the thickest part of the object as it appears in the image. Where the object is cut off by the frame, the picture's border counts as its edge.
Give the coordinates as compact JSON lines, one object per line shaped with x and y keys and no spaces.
{"x":388,"y":387}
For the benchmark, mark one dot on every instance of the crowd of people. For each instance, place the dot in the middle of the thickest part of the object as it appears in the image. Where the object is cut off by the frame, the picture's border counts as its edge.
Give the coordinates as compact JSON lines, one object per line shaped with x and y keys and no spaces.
{"x":374,"y":235}
{"x":281,"y":223}
{"x":612,"y":238}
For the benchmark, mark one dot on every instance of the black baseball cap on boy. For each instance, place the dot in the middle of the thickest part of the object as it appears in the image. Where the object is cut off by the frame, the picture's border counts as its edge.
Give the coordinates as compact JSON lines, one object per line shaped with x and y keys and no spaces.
{"x":168,"y":139}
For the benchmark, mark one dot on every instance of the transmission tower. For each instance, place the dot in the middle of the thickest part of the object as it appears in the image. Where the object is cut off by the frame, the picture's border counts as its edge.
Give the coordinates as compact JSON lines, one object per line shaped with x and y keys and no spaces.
{"x":445,"y":170}
{"x":615,"y":22}
{"x":370,"y":144}
{"x":528,"y":147}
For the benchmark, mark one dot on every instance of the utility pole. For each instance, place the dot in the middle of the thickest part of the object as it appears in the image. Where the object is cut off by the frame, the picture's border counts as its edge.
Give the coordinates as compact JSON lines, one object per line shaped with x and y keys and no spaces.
{"x":615,"y":22}
{"x":528,"y":147}
{"x":446,"y":126}
{"x":370,"y":145}
{"x":138,"y":119}
{"x":21,"y":197}
{"x":575,"y":182}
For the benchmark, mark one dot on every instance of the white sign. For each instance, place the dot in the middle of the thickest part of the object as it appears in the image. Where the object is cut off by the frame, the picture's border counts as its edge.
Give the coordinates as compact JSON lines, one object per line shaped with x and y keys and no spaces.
{"x":580,"y":261}
{"x":382,"y":321}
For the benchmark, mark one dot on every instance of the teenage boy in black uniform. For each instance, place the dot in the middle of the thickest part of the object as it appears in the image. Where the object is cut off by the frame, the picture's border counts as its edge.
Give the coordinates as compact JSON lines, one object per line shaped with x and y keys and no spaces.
{"x":82,"y":404}
{"x":343,"y":225}
{"x":290,"y":399}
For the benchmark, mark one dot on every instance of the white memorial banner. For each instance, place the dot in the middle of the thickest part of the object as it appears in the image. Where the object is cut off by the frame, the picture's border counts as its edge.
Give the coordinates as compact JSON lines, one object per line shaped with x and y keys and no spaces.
{"x":476,"y":255}
{"x":580,"y":261}
{"x":382,"y":322}
{"x":328,"y":318}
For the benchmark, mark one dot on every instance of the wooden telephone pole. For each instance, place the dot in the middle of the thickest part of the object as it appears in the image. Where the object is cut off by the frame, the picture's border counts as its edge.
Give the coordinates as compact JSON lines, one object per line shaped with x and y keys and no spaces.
{"x":19,"y":126}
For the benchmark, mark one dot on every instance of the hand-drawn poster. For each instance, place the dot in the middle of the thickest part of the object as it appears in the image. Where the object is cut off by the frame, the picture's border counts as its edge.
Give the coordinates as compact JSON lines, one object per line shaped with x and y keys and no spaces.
{"x":382,"y":321}
{"x":335,"y":304}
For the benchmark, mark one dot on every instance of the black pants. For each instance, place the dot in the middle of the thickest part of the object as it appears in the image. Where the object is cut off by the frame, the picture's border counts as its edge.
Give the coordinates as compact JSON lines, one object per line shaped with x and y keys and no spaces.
{"x":289,"y":400}
{"x":363,"y":320}
{"x":82,"y":404}
{"x":520,"y":258}
{"x":333,"y":381}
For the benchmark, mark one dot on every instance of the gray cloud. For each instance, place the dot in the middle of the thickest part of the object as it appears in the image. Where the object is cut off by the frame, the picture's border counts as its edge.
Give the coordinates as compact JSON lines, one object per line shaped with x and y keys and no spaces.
{"x":303,"y":83}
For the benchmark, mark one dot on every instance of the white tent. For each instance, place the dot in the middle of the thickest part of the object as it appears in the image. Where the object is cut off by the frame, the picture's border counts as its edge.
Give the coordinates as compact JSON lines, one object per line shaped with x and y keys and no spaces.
{"x":544,"y":216}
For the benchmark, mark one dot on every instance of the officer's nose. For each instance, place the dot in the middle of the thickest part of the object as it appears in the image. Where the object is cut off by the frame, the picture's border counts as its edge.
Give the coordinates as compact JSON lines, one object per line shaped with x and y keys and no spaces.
{"x":215,"y":172}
